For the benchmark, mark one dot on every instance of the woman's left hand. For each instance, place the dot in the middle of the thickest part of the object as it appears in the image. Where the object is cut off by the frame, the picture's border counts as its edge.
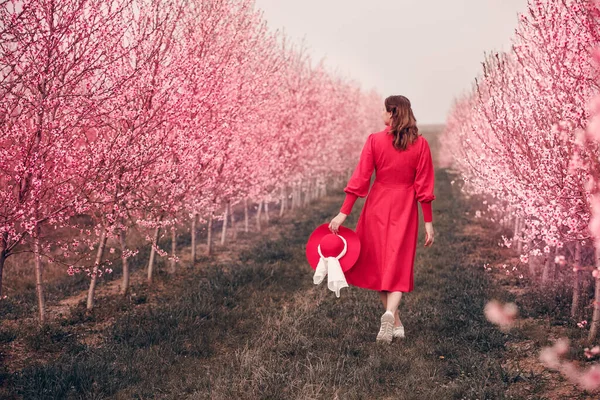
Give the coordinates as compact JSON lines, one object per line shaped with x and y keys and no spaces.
{"x":335,"y":223}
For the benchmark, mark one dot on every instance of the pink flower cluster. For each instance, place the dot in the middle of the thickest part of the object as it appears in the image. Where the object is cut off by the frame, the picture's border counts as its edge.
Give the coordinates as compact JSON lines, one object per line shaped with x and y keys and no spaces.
{"x":552,"y":357}
{"x":503,"y":315}
{"x":586,"y":379}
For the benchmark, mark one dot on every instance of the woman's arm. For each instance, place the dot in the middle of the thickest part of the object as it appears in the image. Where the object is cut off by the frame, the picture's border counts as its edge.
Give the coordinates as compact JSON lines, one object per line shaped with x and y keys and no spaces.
{"x":425,"y":180}
{"x":360,"y":181}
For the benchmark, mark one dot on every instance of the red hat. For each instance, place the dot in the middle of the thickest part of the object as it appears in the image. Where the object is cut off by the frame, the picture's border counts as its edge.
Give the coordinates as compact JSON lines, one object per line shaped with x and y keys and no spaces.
{"x":332,"y":245}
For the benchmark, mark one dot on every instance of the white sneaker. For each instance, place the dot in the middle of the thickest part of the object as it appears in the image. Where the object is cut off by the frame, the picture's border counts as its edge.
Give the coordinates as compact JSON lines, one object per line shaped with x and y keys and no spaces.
{"x":398,"y":331}
{"x":386,"y":331}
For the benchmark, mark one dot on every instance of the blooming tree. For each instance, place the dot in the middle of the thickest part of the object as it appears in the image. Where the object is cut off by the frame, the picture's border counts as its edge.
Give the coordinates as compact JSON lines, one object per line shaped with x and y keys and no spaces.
{"x":146,"y":113}
{"x":515,"y":137}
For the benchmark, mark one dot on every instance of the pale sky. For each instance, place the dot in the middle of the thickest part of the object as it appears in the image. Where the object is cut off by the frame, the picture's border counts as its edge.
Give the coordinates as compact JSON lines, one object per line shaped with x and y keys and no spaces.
{"x":428,"y":50}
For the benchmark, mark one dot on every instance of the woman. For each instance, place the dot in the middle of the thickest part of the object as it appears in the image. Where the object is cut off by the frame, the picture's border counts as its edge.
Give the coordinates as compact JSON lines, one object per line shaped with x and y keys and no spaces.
{"x":388,"y":224}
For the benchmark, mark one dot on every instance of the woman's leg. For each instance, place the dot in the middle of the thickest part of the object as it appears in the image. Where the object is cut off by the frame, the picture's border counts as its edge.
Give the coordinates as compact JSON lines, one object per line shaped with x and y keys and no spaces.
{"x":392,"y":303}
{"x":383,"y":297}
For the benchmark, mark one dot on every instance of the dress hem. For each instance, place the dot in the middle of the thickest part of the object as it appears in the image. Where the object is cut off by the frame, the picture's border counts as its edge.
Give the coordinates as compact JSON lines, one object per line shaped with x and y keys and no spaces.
{"x":379,"y":290}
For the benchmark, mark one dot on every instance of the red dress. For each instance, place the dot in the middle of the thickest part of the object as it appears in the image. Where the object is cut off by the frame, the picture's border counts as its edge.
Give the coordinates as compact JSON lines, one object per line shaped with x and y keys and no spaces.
{"x":388,"y":223}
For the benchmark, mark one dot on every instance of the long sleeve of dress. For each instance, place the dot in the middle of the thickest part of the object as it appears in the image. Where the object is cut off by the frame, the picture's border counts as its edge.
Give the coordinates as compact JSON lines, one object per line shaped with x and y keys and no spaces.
{"x":424,"y":181}
{"x":358,"y":185}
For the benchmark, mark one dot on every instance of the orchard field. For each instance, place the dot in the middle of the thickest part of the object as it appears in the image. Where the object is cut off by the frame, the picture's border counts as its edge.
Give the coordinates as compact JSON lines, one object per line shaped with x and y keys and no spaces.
{"x":163,"y":163}
{"x":247,"y":322}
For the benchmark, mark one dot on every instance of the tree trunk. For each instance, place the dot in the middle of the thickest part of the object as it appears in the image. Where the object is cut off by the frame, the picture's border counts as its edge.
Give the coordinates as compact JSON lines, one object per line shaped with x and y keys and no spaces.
{"x":173,"y":249}
{"x":519,"y":235}
{"x":91,"y":291}
{"x":555,"y":267}
{"x":307,"y":192}
{"x":575,"y":309}
{"x":225,"y":221}
{"x":267,"y":211}
{"x":125,"y":261}
{"x":246,"y":214}
{"x":283,"y":201}
{"x":324,"y":193}
{"x":233,"y":226}
{"x":258,"y":212}
{"x":209,"y":234}
{"x":531,"y":261}
{"x":516,"y":231}
{"x":3,"y":256}
{"x":194,"y":221}
{"x":39,"y":283}
{"x":319,"y":191}
{"x":548,"y":266}
{"x":294,"y":195}
{"x":596,"y":314}
{"x":153,"y":253}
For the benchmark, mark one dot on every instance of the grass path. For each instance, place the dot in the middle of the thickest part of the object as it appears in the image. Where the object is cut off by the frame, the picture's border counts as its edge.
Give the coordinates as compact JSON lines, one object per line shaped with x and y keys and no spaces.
{"x":258,"y":328}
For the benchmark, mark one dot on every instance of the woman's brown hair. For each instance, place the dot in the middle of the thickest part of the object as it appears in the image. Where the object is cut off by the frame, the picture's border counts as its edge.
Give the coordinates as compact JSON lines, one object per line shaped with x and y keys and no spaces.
{"x":403,"y":124}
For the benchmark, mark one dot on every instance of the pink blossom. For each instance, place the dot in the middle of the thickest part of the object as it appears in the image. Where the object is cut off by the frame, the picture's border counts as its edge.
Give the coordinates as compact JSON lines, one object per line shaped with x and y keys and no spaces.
{"x":501,"y":314}
{"x":591,"y":353}
{"x":550,"y":355}
{"x":590,"y":379}
{"x":569,"y":370}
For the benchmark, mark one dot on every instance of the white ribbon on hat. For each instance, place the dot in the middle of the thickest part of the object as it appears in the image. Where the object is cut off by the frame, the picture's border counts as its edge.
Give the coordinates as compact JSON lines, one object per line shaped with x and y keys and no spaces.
{"x":331,"y":266}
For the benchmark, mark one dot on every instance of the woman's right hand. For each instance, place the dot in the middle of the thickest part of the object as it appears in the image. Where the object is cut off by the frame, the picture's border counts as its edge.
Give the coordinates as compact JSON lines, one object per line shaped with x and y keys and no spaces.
{"x":428,"y":234}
